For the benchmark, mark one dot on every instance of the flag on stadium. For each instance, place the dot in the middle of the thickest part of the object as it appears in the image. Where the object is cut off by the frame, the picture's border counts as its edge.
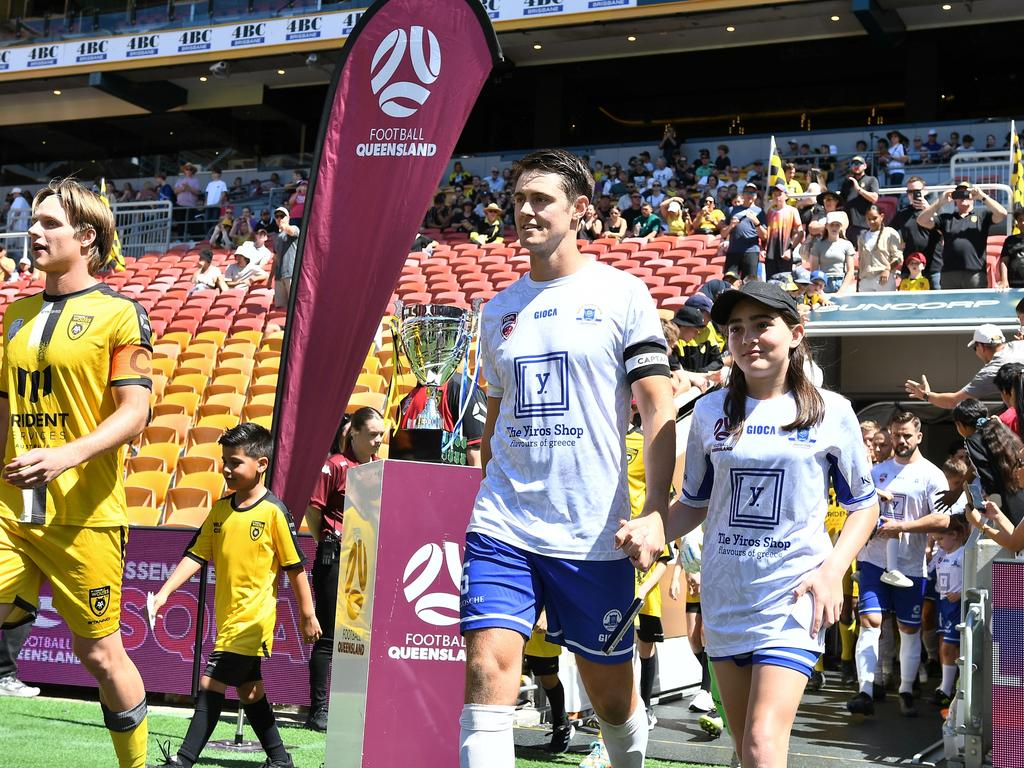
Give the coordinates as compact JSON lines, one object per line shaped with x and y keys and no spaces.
{"x":775,"y":174}
{"x":409,"y":75}
{"x":1016,"y":173}
{"x":115,"y":254}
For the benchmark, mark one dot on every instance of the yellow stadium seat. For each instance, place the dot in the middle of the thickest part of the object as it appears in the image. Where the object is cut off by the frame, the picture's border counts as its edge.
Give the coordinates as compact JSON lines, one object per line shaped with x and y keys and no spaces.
{"x":207,"y":450}
{"x":137,"y":496}
{"x":249,"y":336}
{"x":167,"y":452}
{"x":256,"y":411}
{"x":272,"y":365}
{"x":164,"y":365}
{"x":234,"y":402}
{"x":145,"y":464}
{"x":190,"y":497}
{"x":191,"y":363}
{"x":261,"y":398}
{"x":203,"y":436}
{"x":375,"y":382}
{"x":192,"y":517}
{"x":143,"y":516}
{"x":189,"y":400}
{"x":217,"y":338}
{"x":224,"y":421}
{"x":188,"y":465}
{"x":239,"y":382}
{"x":212,"y":409}
{"x":243,"y":365}
{"x":267,"y":357}
{"x":211,"y":482}
{"x":162,"y":409}
{"x":159,"y":384}
{"x":181,"y":338}
{"x":272,"y":341}
{"x":361,"y":400}
{"x":156,"y":481}
{"x":178,"y":422}
{"x":240,"y":349}
{"x":169,"y":350}
{"x":269,"y":380}
{"x":195,"y":382}
{"x":264,"y":421}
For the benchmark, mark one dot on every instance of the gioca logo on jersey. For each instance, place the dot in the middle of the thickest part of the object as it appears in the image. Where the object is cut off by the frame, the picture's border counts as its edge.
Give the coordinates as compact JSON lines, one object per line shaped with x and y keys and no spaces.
{"x":402,"y":98}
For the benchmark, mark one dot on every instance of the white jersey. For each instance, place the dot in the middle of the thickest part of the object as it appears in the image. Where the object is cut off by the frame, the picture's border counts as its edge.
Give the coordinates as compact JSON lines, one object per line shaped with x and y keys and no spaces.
{"x":949,"y":571}
{"x":914,"y":487}
{"x":766,"y":492}
{"x":561,"y":356}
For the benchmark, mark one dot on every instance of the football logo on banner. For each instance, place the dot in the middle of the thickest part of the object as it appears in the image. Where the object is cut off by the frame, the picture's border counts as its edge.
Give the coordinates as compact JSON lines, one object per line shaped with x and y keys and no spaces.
{"x":438,"y":608}
{"x":394,"y":98}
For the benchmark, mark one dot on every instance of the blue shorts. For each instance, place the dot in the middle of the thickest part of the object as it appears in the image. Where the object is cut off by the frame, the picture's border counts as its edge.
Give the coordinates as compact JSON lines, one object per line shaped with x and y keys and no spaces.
{"x":930,"y":592}
{"x":949,"y":617}
{"x":504,"y":586}
{"x":876,"y":597}
{"x":798,"y":659}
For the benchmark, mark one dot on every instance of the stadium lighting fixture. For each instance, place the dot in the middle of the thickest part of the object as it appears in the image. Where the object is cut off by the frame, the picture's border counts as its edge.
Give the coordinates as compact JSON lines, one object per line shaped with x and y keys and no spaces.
{"x":203,"y":78}
{"x":631,"y":38}
{"x":834,"y":18}
{"x":280,"y":71}
{"x":537,"y":46}
{"x":56,"y":92}
{"x":730,"y":29}
{"x":947,"y":7}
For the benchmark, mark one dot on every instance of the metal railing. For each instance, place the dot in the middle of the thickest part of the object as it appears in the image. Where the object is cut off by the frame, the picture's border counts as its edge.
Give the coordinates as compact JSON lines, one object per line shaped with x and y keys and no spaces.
{"x":1004,"y":196}
{"x":143,"y":227}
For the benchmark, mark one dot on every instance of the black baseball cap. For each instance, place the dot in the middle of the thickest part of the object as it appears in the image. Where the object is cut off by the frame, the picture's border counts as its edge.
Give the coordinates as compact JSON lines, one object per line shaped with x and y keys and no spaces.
{"x":769,"y":294}
{"x":689,"y":317}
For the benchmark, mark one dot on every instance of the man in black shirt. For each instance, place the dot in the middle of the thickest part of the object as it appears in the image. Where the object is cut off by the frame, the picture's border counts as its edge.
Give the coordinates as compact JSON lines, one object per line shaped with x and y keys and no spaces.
{"x":964,"y":234}
{"x":858,"y":193}
{"x":917,"y":239}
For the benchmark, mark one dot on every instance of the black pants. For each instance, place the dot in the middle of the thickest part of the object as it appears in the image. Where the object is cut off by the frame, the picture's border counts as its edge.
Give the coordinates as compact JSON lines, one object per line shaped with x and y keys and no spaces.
{"x":11,"y":641}
{"x":325,"y":601}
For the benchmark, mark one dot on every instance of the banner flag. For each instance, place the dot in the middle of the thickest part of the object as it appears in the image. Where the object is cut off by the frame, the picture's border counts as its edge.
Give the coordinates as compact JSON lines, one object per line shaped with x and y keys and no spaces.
{"x":775,"y":174}
{"x":115,"y":257}
{"x":409,"y":75}
{"x":1016,"y":174}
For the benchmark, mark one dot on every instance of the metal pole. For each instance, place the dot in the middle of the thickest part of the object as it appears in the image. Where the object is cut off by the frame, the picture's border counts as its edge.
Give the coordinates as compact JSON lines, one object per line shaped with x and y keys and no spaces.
{"x":197,"y":647}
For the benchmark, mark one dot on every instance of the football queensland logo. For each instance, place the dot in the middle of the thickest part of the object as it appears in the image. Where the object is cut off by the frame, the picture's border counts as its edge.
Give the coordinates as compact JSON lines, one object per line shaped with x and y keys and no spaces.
{"x":403,"y":98}
{"x":439,"y":606}
{"x":356,"y":579}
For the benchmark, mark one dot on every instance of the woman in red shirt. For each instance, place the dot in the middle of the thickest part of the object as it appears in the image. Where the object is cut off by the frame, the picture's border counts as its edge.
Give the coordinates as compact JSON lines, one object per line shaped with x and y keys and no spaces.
{"x":357,"y":442}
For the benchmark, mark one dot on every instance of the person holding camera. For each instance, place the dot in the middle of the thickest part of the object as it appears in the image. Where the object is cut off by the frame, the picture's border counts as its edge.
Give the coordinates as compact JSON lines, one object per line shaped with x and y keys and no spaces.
{"x":964,"y":234}
{"x":917,"y":239}
{"x":858,"y":193}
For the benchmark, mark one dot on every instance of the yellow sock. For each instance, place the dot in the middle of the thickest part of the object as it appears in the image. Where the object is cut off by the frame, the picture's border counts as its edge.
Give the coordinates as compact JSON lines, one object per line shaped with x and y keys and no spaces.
{"x":129,"y":731}
{"x":848,"y":639}
{"x":820,"y":666}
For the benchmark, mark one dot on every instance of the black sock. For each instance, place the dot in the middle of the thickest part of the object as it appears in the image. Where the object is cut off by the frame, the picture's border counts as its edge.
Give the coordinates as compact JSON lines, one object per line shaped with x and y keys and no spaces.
{"x":261,"y":718}
{"x":204,"y":720}
{"x":705,"y":671}
{"x":556,"y":698}
{"x":319,"y":672}
{"x":648,"y":668}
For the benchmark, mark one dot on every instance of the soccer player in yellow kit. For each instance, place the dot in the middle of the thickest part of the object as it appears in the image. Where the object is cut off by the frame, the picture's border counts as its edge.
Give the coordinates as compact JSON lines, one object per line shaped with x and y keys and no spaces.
{"x":250,"y":538}
{"x":74,"y":390}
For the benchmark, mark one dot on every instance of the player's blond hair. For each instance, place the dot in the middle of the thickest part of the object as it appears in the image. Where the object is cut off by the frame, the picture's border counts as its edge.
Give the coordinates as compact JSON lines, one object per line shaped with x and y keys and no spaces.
{"x":85,"y":210}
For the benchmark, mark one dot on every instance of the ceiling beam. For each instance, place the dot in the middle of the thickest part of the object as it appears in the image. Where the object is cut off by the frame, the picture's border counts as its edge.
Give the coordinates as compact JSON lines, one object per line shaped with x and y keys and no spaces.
{"x":155,"y":96}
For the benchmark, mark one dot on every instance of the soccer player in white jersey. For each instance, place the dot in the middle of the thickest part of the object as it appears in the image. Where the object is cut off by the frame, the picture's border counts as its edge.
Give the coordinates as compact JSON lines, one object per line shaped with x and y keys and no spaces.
{"x":565,"y":349}
{"x":907,"y":484}
{"x":759,"y":460}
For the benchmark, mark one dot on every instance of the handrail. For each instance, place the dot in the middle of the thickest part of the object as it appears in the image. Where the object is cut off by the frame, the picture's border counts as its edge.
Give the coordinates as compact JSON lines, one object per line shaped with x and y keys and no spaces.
{"x":967,"y":665}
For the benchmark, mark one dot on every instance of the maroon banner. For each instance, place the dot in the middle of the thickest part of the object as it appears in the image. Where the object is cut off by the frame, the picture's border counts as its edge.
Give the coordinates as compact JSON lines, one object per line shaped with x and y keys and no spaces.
{"x":1007,"y":664}
{"x":409,"y":76}
{"x":164,"y":653}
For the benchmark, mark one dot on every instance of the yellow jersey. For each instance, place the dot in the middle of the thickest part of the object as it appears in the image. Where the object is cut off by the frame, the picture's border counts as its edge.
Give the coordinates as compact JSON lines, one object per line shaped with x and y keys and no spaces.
{"x":62,"y":357}
{"x":636,"y":475}
{"x":248,"y":547}
{"x":915,"y":284}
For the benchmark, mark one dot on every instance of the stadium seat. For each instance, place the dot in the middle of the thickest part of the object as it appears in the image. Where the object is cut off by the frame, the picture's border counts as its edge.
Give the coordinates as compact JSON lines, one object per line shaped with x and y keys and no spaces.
{"x":165,"y":452}
{"x":211,"y":450}
{"x":257,"y":410}
{"x":188,"y":465}
{"x":239,"y":382}
{"x":190,"y":382}
{"x":158,"y":434}
{"x":211,"y":482}
{"x":188,"y":400}
{"x":224,"y":421}
{"x":164,"y":365}
{"x":156,"y":481}
{"x":145,"y":464}
{"x":187,"y":517}
{"x":200,"y":365}
{"x":251,"y":336}
{"x":258,"y":392}
{"x":234,"y":402}
{"x":178,"y":423}
{"x":217,"y":338}
{"x":181,"y":338}
{"x":143,"y":515}
{"x":361,"y":400}
{"x":264,"y":421}
{"x":235,"y":365}
{"x":241,"y":351}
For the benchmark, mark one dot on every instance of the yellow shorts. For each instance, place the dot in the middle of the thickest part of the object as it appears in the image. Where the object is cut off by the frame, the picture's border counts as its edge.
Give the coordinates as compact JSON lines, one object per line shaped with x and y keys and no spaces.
{"x":83,"y":565}
{"x":851,"y":587}
{"x":538,"y":645}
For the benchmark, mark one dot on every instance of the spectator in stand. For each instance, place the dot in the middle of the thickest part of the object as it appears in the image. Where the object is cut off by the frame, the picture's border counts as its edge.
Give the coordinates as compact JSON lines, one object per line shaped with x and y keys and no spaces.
{"x":491,"y":227}
{"x":662,"y":173}
{"x":756,"y":174}
{"x":274,"y":182}
{"x":644,"y":159}
{"x":816,"y":185}
{"x":220,"y":235}
{"x":686,"y":171}
{"x":785,"y":233}
{"x":669,"y":145}
{"x":164,"y":191}
{"x":833,"y":255}
{"x":991,"y":347}
{"x":634,"y":211}
{"x":128,"y":194}
{"x":918,"y":239}
{"x":207,"y":277}
{"x":951,"y":147}
{"x":1011,"y":258}
{"x":265,"y":222}
{"x":858,"y":193}
{"x":286,"y":247}
{"x":243,"y":272}
{"x":725,"y":198}
{"x":746,"y":227}
{"x":656,"y":195}
{"x":495,"y":182}
{"x":964,"y":235}
{"x":704,"y":168}
{"x":916,"y":153}
{"x":597,"y":172}
{"x":241,"y":229}
{"x":255,"y":188}
{"x":466,"y":219}
{"x":297,"y":203}
{"x":8,"y":268}
{"x":147,"y":194}
{"x":879,"y":255}
{"x":1009,"y":381}
{"x":680,"y":384}
{"x":881,"y":158}
{"x":915,"y":279}
{"x":186,"y":195}
{"x":216,"y":194}
{"x":616,"y":225}
{"x":19,"y":214}
{"x":647,"y":225}
{"x":676,"y":216}
{"x":968,"y":144}
{"x":237,"y":191}
{"x":458,"y":176}
{"x":590,"y":225}
{"x":438,"y":217}
{"x":990,"y":143}
{"x":263,"y":255}
{"x":604,"y":207}
{"x":701,"y":358}
{"x":722,"y":161}
{"x":897,"y":157}
{"x":793,"y":186}
{"x":933,"y":147}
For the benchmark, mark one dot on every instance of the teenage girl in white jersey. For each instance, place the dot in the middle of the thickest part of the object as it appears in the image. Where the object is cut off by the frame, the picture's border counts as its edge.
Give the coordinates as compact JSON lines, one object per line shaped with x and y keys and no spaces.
{"x":760,"y":458}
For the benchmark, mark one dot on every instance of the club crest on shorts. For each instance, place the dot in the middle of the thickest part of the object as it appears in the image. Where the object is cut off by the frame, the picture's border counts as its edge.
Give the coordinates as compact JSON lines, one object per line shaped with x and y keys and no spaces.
{"x":256,"y":529}
{"x":508,"y":324}
{"x":78,"y":326}
{"x":611,"y":619}
{"x":99,"y":600}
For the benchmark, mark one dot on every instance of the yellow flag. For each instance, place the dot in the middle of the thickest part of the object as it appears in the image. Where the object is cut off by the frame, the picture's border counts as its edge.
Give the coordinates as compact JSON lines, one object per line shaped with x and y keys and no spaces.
{"x":775,"y":174}
{"x":1016,"y":173}
{"x":115,"y":255}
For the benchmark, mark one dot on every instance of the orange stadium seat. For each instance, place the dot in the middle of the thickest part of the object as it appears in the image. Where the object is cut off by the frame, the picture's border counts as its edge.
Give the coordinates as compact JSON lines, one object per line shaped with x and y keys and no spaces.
{"x":234,"y":402}
{"x":178,"y":423}
{"x":188,"y":400}
{"x":224,"y":421}
{"x":188,"y":465}
{"x":145,"y":464}
{"x":143,"y":515}
{"x":211,"y":482}
{"x":156,"y":481}
{"x":189,"y":517}
{"x":167,"y":452}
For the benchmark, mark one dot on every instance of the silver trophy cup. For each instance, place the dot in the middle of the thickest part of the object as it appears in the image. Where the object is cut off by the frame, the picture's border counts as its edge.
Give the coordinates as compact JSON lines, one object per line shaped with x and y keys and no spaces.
{"x":435,"y":337}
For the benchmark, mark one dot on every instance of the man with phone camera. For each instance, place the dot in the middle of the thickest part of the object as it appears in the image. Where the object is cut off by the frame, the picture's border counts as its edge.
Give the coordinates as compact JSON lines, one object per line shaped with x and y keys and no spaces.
{"x":964,"y":234}
{"x":917,"y":239}
{"x":857,"y":194}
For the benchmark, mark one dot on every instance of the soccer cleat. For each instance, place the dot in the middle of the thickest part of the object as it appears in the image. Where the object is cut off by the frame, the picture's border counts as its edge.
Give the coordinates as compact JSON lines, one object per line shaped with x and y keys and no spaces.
{"x":598,"y":757}
{"x":817,"y":681}
{"x":652,"y":719}
{"x":878,"y":692}
{"x":849,"y":673}
{"x":907,"y":706}
{"x":711,"y":723}
{"x":317,"y":721}
{"x":941,"y":699}
{"x":12,"y":686}
{"x":268,"y":763}
{"x":702,"y":702}
{"x":861,"y":704}
{"x":561,"y":735}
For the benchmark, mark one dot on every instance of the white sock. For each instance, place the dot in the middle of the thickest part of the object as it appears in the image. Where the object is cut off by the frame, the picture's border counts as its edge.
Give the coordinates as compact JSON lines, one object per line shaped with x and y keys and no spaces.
{"x":626,"y":743}
{"x":485,"y":737}
{"x":948,"y":678}
{"x":866,"y":656}
{"x":892,"y":554}
{"x":931,"y":644}
{"x":886,"y":649}
{"x":910,"y":659}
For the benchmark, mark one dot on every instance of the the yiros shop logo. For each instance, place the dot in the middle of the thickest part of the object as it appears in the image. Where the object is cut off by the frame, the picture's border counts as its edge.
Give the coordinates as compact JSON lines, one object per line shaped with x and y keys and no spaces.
{"x":402,"y":90}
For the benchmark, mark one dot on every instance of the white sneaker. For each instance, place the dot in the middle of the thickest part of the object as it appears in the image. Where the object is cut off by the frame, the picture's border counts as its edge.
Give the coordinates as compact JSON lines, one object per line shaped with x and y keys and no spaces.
{"x":12,"y":686}
{"x":702,"y":702}
{"x":896,"y":579}
{"x":652,"y":719}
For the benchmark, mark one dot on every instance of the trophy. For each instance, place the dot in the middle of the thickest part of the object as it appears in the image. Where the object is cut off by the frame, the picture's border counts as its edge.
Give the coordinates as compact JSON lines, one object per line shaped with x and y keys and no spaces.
{"x":435,"y":338}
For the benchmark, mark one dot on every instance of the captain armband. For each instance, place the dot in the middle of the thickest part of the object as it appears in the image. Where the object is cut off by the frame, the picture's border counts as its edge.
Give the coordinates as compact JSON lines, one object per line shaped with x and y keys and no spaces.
{"x":648,"y":358}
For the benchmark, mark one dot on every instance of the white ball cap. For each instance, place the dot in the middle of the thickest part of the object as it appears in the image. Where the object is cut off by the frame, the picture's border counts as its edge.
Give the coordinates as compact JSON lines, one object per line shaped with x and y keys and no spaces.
{"x":987,"y":334}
